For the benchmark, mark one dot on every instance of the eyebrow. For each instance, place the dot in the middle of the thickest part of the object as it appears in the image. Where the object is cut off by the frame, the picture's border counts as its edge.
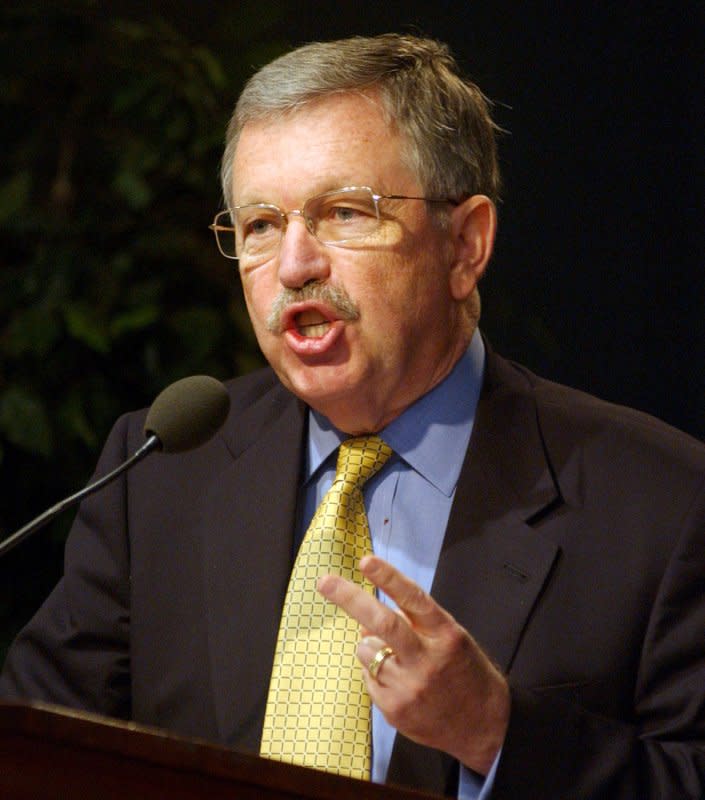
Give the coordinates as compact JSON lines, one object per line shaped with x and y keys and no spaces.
{"x":329,"y":186}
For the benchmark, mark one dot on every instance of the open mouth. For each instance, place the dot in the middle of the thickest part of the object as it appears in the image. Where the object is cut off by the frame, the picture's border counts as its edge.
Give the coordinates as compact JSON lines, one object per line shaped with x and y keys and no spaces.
{"x":313,"y":329}
{"x":311,"y":324}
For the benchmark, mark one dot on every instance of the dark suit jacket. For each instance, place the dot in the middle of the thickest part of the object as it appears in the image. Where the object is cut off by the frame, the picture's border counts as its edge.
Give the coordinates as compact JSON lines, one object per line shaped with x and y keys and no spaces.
{"x":575,"y":554}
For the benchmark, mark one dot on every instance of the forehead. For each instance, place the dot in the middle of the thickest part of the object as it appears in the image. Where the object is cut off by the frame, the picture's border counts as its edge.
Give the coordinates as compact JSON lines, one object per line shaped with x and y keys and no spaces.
{"x":338,"y":141}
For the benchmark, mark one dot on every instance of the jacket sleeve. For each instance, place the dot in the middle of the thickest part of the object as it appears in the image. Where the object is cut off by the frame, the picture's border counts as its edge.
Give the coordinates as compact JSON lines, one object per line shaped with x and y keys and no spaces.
{"x":75,"y":651}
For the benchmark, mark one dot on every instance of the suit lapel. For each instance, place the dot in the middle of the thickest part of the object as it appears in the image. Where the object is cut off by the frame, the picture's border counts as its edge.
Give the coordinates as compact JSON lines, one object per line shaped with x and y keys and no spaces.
{"x":491,"y":571}
{"x":248,"y":532}
{"x":493,"y":565}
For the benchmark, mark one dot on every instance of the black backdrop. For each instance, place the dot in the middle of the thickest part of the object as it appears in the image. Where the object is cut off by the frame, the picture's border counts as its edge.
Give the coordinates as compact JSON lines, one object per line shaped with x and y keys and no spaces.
{"x":598,"y":278}
{"x":602,"y":229}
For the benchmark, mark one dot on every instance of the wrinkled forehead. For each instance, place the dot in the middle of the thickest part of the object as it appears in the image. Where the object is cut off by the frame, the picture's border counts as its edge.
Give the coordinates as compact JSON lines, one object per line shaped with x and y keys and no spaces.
{"x":340,"y":140}
{"x":316,"y":107}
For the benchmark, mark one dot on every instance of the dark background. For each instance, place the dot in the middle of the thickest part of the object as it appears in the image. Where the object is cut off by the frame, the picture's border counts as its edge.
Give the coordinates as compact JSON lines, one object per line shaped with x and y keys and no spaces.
{"x":111,"y":123}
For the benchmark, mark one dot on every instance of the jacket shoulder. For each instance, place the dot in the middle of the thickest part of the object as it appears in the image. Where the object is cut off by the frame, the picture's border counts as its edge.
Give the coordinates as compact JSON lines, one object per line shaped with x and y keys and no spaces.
{"x":573,"y":416}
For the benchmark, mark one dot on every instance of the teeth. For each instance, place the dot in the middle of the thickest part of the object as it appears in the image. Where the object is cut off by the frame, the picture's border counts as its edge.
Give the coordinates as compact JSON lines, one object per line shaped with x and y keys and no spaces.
{"x":314,"y":331}
{"x":311,"y":324}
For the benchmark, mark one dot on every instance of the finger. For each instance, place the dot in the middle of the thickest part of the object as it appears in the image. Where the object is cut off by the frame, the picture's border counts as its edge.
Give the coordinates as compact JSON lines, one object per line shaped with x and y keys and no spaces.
{"x":368,"y":647}
{"x":375,"y":654}
{"x":374,"y":617}
{"x":351,"y":597}
{"x":365,"y":632}
{"x":419,"y":607}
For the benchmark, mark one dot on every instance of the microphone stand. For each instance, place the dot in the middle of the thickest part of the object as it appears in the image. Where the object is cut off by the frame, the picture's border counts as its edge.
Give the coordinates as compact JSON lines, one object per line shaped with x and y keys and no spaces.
{"x":6,"y":545}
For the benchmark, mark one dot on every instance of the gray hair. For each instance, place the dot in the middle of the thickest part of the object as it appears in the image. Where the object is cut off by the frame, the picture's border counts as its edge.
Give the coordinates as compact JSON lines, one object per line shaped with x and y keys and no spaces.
{"x":444,"y":118}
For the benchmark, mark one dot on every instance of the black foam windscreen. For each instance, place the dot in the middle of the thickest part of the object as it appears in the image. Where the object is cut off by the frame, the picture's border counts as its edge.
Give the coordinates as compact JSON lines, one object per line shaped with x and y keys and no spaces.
{"x":187,"y":413}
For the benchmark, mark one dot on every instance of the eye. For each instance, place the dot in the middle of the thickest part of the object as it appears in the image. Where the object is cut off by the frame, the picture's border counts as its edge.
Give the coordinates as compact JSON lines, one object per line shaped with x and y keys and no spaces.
{"x":258,"y":226}
{"x":344,"y":213}
{"x":258,"y":223}
{"x":343,"y":216}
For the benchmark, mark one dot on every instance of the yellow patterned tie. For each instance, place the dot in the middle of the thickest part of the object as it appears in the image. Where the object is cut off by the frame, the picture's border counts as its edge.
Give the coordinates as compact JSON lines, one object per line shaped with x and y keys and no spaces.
{"x":318,"y":709}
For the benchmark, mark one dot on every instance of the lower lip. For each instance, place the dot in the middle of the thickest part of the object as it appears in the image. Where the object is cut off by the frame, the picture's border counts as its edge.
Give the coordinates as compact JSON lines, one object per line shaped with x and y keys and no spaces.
{"x":314,"y":346}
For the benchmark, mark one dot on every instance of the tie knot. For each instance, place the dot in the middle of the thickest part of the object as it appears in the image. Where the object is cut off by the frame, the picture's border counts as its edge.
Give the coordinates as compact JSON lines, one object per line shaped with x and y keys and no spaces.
{"x":360,"y":458}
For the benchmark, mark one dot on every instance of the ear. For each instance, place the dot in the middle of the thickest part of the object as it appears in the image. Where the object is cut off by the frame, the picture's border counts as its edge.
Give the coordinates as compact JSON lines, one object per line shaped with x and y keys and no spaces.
{"x":473,"y":228}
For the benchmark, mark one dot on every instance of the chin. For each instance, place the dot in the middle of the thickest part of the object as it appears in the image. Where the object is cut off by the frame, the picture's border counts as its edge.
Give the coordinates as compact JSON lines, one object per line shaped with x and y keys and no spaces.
{"x":317,"y":393}
{"x":320,"y":391}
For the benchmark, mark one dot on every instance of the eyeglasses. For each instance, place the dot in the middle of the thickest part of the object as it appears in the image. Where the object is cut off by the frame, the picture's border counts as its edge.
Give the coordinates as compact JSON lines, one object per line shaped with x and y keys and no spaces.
{"x":345,"y":217}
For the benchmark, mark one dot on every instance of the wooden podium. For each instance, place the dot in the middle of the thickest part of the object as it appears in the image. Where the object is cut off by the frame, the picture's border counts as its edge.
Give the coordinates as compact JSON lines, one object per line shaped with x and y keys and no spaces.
{"x":57,"y":754}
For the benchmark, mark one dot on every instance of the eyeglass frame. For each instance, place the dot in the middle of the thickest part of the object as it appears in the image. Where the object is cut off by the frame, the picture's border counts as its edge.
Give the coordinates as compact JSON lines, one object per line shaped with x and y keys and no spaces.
{"x":215,"y":226}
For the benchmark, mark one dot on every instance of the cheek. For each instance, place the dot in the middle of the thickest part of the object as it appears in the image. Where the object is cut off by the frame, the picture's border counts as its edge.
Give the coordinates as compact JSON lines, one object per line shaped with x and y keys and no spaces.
{"x":258,"y":300}
{"x":388,"y":322}
{"x":402,"y":294}
{"x":258,"y":297}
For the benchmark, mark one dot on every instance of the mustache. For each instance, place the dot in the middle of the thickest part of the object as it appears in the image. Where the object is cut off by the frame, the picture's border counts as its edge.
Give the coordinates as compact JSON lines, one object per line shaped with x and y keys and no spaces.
{"x":334,"y":296}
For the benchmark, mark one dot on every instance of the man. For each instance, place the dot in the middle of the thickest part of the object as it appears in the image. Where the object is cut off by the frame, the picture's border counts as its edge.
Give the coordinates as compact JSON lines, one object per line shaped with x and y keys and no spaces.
{"x":560,"y":652}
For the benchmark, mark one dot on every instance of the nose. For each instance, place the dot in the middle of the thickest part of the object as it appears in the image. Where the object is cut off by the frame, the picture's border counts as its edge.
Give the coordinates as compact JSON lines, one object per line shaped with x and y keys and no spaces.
{"x":302,"y":258}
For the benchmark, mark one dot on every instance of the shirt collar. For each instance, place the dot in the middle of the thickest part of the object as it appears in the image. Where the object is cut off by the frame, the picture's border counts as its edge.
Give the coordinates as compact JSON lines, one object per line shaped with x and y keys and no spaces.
{"x":432,"y":435}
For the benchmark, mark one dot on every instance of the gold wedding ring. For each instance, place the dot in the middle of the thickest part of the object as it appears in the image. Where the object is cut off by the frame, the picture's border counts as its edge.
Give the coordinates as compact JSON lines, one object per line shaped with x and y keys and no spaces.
{"x":380,"y":657}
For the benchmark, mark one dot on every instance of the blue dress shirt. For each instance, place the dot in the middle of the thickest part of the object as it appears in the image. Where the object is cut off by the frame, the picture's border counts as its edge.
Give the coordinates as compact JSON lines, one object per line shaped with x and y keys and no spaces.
{"x":408,"y":502}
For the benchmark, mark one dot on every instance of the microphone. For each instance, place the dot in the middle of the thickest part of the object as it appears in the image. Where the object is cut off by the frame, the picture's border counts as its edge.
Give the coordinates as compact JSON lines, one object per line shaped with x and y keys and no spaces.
{"x":184,"y":416}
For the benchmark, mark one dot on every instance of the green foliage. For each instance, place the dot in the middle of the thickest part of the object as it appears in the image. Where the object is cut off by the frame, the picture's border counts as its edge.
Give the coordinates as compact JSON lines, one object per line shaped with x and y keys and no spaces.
{"x":110,"y":284}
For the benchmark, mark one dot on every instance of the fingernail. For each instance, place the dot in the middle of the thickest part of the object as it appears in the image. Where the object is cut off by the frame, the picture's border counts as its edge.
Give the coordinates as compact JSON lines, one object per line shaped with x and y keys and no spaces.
{"x":368,"y":564}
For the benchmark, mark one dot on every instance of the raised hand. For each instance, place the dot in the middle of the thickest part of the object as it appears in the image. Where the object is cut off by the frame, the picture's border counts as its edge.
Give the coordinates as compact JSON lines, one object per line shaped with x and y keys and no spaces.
{"x":437,"y":686}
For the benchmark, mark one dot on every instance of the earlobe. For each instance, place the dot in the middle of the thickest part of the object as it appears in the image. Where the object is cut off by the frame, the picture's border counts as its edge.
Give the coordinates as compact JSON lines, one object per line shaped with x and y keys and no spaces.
{"x":473,"y":227}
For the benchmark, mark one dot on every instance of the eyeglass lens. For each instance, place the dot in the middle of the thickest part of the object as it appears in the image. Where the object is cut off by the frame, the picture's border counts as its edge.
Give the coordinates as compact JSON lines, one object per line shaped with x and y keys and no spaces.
{"x":333,"y":218}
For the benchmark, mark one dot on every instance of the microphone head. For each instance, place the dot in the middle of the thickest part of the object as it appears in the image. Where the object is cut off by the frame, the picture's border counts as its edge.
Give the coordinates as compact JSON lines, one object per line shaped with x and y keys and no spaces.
{"x":187,"y":413}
